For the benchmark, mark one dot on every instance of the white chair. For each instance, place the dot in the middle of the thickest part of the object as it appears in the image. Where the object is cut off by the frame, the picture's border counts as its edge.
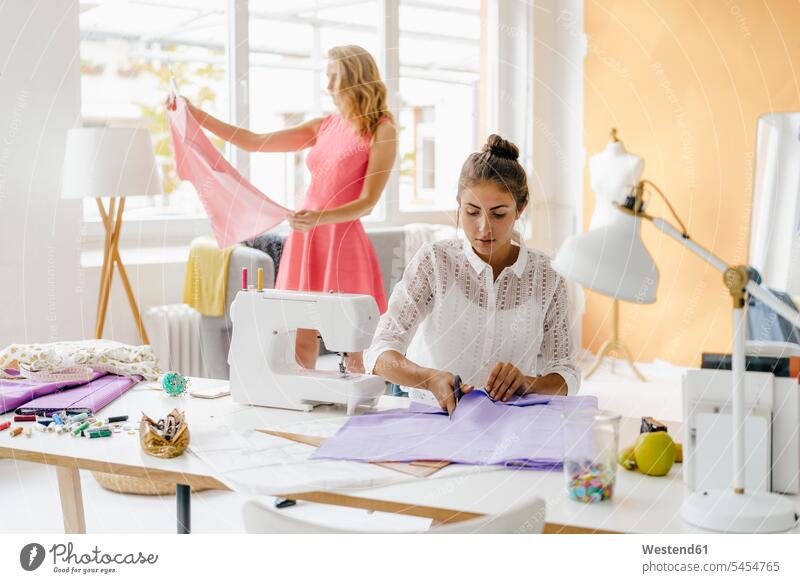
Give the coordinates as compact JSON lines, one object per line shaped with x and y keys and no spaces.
{"x":261,"y":517}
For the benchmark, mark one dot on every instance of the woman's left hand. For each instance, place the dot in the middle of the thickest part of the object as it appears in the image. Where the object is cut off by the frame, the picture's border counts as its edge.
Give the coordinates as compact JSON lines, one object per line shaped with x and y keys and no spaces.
{"x":504,"y":381}
{"x":304,"y":221}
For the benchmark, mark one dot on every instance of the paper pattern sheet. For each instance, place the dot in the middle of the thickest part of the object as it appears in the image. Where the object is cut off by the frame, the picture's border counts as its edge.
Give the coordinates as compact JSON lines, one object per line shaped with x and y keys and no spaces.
{"x":254,"y":463}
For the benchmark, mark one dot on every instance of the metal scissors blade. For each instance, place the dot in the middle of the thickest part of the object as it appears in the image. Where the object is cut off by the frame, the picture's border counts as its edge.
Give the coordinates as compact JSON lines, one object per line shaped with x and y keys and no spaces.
{"x":456,"y":393}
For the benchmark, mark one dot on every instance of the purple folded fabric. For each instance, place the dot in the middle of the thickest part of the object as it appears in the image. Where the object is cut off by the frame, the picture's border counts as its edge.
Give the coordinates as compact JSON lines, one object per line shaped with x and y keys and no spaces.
{"x":91,"y":397}
{"x":514,"y":401}
{"x":525,"y":433}
{"x":14,"y":393}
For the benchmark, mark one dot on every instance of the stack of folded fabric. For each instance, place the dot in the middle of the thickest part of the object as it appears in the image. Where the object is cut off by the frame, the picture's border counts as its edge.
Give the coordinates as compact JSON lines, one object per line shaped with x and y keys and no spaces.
{"x":83,"y":375}
{"x":523,"y":432}
{"x":27,"y":397}
{"x":88,"y":397}
{"x":15,"y":393}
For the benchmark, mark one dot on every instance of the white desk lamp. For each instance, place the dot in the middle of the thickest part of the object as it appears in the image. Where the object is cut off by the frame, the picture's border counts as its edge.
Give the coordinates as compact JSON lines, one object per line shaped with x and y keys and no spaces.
{"x":116,"y":163}
{"x":615,"y":260}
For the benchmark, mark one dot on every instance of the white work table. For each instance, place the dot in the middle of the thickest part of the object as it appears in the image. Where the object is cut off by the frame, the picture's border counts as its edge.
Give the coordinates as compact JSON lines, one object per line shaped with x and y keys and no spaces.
{"x":640,"y":503}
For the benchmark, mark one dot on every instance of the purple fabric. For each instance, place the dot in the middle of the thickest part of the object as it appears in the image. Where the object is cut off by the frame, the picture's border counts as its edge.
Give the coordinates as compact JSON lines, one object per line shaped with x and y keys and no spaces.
{"x":514,"y":401}
{"x":91,"y":397}
{"x":14,"y":393}
{"x":525,"y":433}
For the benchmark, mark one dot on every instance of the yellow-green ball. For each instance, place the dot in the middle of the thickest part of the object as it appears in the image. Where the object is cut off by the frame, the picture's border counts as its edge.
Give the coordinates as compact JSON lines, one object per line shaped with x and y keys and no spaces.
{"x":654,"y":453}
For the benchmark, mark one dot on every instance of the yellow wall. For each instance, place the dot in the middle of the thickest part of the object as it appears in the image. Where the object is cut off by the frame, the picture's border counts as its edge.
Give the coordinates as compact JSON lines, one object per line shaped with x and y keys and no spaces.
{"x":685,"y":82}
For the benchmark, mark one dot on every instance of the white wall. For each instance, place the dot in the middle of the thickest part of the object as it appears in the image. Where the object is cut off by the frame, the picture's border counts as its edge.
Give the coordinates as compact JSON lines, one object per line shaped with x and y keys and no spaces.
{"x":39,"y":100}
{"x":558,"y":152}
{"x":45,"y":295}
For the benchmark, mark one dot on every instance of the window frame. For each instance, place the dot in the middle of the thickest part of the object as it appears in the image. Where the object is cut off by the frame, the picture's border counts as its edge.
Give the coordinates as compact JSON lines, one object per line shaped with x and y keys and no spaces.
{"x":159,"y":231}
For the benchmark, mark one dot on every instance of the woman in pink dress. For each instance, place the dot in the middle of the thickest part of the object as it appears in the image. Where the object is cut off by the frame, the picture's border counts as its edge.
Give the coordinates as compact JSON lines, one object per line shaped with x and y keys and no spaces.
{"x":351,"y":157}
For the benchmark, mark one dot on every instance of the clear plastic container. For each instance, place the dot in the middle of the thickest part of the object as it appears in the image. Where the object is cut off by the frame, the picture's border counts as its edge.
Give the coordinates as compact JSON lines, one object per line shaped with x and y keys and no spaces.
{"x":591,"y":439}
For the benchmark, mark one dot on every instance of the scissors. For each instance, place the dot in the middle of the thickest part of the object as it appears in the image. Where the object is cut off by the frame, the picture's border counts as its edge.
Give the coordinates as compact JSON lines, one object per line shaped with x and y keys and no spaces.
{"x":456,"y":394}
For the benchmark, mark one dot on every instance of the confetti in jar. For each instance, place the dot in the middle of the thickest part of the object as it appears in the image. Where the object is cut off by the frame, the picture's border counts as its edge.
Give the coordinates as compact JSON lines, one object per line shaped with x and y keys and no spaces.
{"x":591,"y":483}
{"x":591,"y":437}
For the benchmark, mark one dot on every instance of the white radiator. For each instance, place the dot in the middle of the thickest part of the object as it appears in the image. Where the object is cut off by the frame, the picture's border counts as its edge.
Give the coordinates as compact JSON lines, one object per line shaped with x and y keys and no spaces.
{"x":174,"y":331}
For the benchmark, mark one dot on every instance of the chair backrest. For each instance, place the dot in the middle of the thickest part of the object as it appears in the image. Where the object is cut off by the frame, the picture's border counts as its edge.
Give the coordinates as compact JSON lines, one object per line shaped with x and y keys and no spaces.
{"x":260,"y":516}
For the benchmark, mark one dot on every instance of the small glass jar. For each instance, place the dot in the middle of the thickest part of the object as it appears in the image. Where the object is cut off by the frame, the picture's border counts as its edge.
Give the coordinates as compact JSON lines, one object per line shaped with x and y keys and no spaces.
{"x":591,"y":439}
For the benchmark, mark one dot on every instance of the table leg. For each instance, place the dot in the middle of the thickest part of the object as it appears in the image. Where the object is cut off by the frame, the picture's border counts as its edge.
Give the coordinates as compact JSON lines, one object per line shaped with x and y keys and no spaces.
{"x":183,"y":494}
{"x":69,"y":488}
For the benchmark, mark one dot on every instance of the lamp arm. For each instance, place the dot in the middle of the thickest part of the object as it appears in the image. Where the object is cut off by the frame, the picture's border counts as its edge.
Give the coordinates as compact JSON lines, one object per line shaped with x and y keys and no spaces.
{"x":699,"y":250}
{"x":754,"y":289}
{"x":766,"y":296}
{"x":738,"y":280}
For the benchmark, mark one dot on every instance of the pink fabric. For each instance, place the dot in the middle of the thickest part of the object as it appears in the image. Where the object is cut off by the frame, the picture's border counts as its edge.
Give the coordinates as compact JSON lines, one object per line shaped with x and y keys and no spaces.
{"x":237,"y":209}
{"x":337,"y":257}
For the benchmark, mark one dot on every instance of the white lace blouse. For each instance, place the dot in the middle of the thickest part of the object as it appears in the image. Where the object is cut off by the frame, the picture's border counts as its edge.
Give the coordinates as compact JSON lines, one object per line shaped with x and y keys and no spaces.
{"x":447,"y":314}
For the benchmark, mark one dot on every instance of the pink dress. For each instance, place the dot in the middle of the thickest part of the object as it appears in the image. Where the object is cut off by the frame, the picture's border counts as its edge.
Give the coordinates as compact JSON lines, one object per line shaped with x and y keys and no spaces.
{"x":236,"y":209}
{"x":337,"y":257}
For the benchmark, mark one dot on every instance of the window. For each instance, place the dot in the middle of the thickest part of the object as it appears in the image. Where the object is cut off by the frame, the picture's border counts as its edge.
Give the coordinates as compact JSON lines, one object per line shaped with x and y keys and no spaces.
{"x":129,"y":48}
{"x":439,"y":76}
{"x":128,"y":52}
{"x":288,"y":57}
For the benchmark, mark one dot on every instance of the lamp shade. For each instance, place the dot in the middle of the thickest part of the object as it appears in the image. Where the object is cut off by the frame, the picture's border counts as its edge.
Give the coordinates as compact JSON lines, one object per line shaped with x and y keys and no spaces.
{"x":109,"y":162}
{"x":611,"y":260}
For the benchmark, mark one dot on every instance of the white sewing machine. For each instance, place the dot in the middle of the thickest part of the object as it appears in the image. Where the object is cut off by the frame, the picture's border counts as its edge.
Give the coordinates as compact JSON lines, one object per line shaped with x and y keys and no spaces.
{"x":263,"y":367}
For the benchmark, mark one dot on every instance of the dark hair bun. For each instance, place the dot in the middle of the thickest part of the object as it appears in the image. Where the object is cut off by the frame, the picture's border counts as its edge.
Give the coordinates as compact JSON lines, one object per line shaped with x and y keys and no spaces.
{"x":498,"y":146}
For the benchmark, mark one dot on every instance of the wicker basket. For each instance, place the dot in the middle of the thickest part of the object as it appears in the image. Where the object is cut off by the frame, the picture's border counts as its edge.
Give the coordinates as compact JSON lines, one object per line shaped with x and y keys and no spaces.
{"x":133,"y":485}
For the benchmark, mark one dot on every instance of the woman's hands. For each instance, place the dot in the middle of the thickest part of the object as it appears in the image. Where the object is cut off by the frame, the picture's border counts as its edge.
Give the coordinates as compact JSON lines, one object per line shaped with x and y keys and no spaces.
{"x":441,"y":383}
{"x":504,"y":381}
{"x":304,"y":221}
{"x":169,"y":102}
{"x":197,"y":113}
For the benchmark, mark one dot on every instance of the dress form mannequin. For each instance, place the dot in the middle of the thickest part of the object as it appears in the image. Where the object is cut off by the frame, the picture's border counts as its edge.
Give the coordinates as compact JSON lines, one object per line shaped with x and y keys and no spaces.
{"x":613,"y":173}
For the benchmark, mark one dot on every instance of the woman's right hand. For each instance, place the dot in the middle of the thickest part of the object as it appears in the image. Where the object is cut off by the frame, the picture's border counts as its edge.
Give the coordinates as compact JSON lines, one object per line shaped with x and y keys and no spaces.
{"x":196,"y":112}
{"x":170,"y":101}
{"x":442,"y":383}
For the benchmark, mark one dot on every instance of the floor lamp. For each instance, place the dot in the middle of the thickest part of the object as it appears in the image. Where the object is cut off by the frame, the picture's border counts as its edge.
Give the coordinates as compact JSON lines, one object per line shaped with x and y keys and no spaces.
{"x":616,"y":255}
{"x":114,"y":163}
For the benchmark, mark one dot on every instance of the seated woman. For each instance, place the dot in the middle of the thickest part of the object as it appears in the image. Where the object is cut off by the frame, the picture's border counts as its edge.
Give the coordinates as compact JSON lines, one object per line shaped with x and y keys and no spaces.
{"x":483,"y":308}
